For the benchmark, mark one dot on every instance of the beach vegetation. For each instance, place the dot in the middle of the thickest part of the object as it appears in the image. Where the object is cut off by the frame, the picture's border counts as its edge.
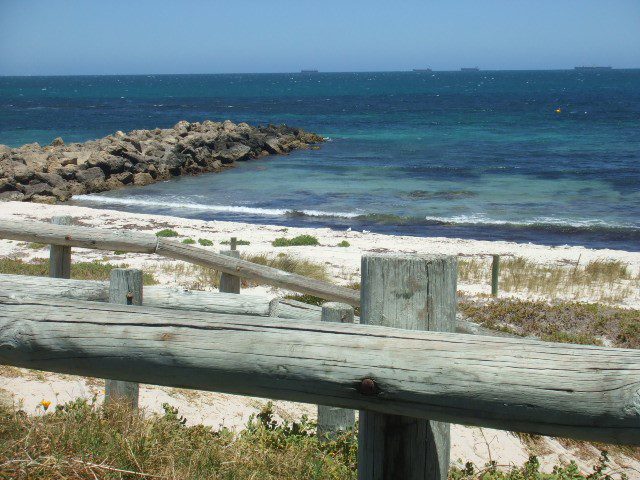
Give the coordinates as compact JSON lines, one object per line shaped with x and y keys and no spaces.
{"x":197,"y":277}
{"x":119,"y":252}
{"x":82,"y":439}
{"x":205,"y":242}
{"x":344,"y":244}
{"x":290,"y":264}
{"x":36,"y":245}
{"x":79,"y":270}
{"x":238,"y":242}
{"x":564,"y":322}
{"x":300,"y":240}
{"x":167,"y":232}
{"x":599,"y":280}
{"x":188,"y":241}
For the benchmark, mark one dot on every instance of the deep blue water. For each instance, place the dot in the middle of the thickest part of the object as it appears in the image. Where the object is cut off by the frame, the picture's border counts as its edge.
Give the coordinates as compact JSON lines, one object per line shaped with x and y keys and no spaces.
{"x":462,"y":154}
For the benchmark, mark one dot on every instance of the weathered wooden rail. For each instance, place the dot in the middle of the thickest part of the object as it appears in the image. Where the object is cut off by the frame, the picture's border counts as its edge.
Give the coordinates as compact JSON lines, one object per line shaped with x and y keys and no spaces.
{"x":94,"y":238}
{"x":552,"y":389}
{"x":401,"y":366}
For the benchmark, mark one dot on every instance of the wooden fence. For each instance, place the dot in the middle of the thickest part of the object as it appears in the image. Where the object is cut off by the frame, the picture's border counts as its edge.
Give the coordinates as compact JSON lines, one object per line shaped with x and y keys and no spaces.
{"x":401,"y":365}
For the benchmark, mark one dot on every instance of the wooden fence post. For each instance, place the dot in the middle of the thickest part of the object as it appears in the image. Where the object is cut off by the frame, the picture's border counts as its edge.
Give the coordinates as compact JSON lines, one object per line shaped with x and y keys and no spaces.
{"x":125,"y":288}
{"x":230,"y":283}
{"x":495,"y":274}
{"x":415,"y":293}
{"x":60,"y":256}
{"x":333,"y":420}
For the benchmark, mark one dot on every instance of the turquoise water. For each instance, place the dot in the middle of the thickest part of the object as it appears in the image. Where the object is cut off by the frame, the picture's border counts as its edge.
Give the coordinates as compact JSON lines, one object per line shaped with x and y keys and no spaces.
{"x":474,"y":155}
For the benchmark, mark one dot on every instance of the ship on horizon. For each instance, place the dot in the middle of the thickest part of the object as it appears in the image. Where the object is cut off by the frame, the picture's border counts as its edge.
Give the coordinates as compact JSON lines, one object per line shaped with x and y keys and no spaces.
{"x":308,"y":71}
{"x":422,"y":70}
{"x":469,"y":69}
{"x":591,"y":68}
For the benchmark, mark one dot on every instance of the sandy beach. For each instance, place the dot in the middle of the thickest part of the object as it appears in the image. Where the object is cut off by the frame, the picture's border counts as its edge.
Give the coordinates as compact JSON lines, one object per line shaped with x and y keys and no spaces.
{"x":28,"y":388}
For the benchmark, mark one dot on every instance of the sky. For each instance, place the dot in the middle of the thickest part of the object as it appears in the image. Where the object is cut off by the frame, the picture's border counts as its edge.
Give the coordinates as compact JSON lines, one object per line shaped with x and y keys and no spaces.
{"x":96,"y":37}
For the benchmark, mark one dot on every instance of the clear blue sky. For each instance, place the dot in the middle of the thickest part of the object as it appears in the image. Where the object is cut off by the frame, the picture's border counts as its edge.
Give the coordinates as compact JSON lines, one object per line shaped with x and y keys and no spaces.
{"x":63,"y":37}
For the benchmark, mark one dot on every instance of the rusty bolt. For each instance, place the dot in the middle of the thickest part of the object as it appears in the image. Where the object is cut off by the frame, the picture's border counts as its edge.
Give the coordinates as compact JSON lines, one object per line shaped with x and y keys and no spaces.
{"x":129,"y":298}
{"x":368,"y":386}
{"x":67,"y":237}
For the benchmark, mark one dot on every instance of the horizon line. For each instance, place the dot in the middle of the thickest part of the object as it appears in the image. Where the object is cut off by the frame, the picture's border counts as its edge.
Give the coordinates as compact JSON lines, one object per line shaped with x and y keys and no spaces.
{"x":307,"y":72}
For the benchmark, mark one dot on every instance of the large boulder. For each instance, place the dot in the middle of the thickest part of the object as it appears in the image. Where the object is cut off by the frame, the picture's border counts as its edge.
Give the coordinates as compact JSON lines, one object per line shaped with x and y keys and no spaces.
{"x":233,"y":154}
{"x":11,"y":196}
{"x":57,"y":142}
{"x":37,"y":189}
{"x":52,"y":179}
{"x":109,"y":164}
{"x":90,"y":175}
{"x":142,"y":179}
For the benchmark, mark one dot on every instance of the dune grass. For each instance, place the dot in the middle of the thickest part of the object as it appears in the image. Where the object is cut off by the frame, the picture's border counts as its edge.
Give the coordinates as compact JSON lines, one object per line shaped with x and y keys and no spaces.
{"x":79,"y":270}
{"x":196,"y":277}
{"x":608,"y":281}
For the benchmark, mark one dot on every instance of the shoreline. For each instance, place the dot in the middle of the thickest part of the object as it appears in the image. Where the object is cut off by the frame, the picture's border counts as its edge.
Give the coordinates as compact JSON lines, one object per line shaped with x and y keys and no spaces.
{"x":593,"y":235}
{"x":342,"y":263}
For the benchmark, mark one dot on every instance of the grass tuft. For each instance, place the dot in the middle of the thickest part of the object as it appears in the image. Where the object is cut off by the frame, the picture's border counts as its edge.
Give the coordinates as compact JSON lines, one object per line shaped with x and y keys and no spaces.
{"x":205,"y":242}
{"x":167,"y":232}
{"x":344,"y":244}
{"x":188,"y":241}
{"x":300,"y":240}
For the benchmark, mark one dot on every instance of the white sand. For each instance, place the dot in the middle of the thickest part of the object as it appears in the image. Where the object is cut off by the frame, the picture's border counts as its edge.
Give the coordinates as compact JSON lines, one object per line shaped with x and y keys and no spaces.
{"x":469,"y":444}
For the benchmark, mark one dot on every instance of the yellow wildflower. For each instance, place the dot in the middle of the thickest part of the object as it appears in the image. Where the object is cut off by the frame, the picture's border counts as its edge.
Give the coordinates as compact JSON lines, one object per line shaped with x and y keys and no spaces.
{"x":45,"y":404}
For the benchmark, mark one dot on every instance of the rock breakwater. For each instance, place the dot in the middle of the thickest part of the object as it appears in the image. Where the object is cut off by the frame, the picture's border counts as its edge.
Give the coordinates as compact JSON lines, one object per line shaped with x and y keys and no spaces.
{"x":58,"y":171}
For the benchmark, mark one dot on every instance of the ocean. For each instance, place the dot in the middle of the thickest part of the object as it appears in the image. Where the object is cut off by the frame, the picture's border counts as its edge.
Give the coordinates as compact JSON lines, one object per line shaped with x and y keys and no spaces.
{"x":550,"y":157}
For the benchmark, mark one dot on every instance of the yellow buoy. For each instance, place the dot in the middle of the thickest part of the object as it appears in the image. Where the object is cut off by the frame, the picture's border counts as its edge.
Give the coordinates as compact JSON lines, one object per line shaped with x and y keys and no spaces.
{"x":558,"y":110}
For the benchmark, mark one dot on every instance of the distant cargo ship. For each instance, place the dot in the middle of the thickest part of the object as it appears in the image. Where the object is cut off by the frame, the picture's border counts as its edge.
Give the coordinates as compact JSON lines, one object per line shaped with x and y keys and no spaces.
{"x":469,"y":69}
{"x":421,"y":69}
{"x":308,"y":71}
{"x":589,"y":69}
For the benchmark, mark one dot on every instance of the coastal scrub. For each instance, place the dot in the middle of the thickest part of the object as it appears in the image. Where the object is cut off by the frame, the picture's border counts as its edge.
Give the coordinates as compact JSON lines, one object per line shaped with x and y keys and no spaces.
{"x":300,"y":240}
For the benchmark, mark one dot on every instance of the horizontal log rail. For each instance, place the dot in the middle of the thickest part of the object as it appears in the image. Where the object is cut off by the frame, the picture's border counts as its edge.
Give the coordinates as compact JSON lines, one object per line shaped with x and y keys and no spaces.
{"x":100,"y":239}
{"x":589,"y":393}
{"x":25,"y":287}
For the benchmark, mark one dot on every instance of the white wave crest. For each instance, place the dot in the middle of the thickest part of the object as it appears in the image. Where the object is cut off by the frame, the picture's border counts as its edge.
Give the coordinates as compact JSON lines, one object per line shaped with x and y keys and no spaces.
{"x":210,"y":208}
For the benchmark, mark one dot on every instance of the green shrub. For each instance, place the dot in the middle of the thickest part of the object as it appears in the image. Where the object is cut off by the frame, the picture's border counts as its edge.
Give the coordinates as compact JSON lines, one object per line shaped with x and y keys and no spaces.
{"x":343,"y":243}
{"x":167,"y":232}
{"x":188,"y":241}
{"x":295,"y":241}
{"x":205,"y":242}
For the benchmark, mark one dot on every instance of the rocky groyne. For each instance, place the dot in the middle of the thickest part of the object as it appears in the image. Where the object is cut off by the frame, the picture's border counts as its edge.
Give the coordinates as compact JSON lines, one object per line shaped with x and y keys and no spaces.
{"x":58,"y":171}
